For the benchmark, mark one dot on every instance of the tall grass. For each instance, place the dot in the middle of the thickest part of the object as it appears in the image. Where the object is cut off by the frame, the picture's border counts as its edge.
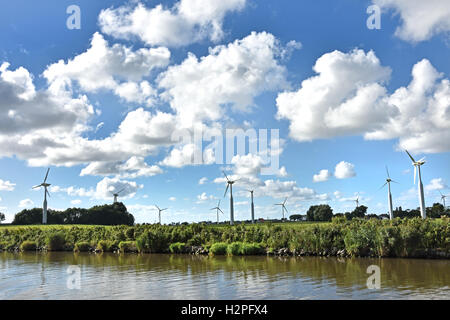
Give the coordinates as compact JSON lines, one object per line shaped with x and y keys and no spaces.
{"x":396,"y":238}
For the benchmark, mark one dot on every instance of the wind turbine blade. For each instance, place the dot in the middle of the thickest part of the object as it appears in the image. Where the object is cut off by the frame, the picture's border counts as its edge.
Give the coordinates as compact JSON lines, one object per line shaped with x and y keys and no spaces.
{"x":37,"y":186}
{"x":285,"y":208}
{"x":225,"y":175}
{"x":387,"y":171}
{"x":46,"y":175}
{"x":412,"y":159}
{"x":220,"y":210}
{"x":218,"y":205}
{"x":48,"y":193}
{"x":395,"y":181}
{"x":157,"y":207}
{"x":164,"y":209}
{"x":284,"y":202}
{"x":383,"y":186}
{"x":226,"y":190}
{"x":121,"y":190}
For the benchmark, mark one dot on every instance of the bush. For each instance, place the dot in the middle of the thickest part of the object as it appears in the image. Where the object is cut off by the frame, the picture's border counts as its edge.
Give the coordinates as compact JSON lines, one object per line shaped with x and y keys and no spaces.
{"x":177,"y":247}
{"x":82,"y":247}
{"x":218,"y":248}
{"x":28,"y":246}
{"x":128,"y":246}
{"x":56,"y":241}
{"x":252,"y":249}
{"x":235,"y":249}
{"x":105,"y":246}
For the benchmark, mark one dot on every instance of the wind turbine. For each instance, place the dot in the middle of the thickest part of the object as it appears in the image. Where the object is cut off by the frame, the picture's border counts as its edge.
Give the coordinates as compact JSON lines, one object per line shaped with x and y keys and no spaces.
{"x":443,"y":198}
{"x":45,"y":185}
{"x":252,"y":206}
{"x":388,"y":182}
{"x":283,"y":207}
{"x":217,"y":211}
{"x":417,"y":165}
{"x":230,"y":185}
{"x":116,"y":194}
{"x":357,"y":201}
{"x":159,"y":212}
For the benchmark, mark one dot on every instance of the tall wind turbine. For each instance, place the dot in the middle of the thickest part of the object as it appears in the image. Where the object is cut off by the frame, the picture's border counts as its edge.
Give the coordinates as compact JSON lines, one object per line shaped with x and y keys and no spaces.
{"x":217,"y":210}
{"x":116,"y":194}
{"x":252,"y":206}
{"x":44,"y":208}
{"x":283,"y":207}
{"x":417,"y":165}
{"x":388,"y":182}
{"x":443,"y":198}
{"x":159,"y":212}
{"x":230,"y":185}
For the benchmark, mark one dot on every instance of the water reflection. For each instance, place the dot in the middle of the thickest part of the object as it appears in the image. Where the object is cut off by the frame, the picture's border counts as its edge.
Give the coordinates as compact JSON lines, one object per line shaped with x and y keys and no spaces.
{"x":105,"y":276}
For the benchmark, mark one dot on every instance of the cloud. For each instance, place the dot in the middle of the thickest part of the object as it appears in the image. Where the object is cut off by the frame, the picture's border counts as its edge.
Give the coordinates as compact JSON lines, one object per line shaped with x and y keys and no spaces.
{"x":436,"y":184}
{"x":134,"y":167}
{"x":188,"y":21}
{"x":421,"y":20}
{"x":76,"y":202}
{"x":26,"y":203}
{"x":231,"y":75}
{"x":7,"y":185}
{"x":202,"y":180}
{"x":344,"y":98}
{"x":348,"y":97}
{"x":204,"y":197}
{"x":322,"y":176}
{"x":172,"y":199}
{"x":344,"y":170}
{"x":117,"y":68}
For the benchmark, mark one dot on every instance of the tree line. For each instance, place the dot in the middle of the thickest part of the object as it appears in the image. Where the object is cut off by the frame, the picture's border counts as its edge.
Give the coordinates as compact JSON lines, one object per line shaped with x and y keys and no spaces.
{"x":108,"y":214}
{"x":324,"y":212}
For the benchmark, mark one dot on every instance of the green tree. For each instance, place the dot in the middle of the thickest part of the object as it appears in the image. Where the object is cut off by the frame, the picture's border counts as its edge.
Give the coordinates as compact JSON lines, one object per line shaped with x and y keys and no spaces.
{"x":436,"y":211}
{"x":321,"y":212}
{"x":295,"y":217}
{"x":359,"y":212}
{"x":2,"y":217}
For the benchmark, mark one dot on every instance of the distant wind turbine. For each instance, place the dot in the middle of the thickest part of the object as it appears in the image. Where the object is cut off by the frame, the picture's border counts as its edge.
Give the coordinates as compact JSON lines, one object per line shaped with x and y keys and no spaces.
{"x":230,"y":185}
{"x":388,"y":182}
{"x":217,"y":210}
{"x":159,"y":212}
{"x":252,"y":206}
{"x":283,"y":206}
{"x":357,"y":201}
{"x":116,"y":194}
{"x":443,"y":198}
{"x":417,"y":165}
{"x":44,"y":208}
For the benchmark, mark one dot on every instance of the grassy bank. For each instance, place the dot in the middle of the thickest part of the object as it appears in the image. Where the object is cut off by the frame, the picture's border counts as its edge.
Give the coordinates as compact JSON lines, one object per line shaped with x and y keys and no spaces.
{"x":374,"y":238}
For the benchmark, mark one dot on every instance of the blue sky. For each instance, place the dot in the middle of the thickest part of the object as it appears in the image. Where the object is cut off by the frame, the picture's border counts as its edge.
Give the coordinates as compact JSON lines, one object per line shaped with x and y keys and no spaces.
{"x":337,"y":91}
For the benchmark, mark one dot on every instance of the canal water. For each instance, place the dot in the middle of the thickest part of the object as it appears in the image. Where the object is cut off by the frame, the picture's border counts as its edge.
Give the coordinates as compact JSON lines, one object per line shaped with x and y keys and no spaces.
{"x":62,"y":275}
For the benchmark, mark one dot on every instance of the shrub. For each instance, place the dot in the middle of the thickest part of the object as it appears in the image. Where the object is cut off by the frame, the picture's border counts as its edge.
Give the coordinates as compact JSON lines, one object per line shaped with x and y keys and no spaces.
{"x":28,"y":246}
{"x":128,"y":246}
{"x":235,"y":248}
{"x":105,"y":246}
{"x":218,"y":248}
{"x":252,"y":249}
{"x":82,"y":246}
{"x":55,"y":241}
{"x":177,"y":247}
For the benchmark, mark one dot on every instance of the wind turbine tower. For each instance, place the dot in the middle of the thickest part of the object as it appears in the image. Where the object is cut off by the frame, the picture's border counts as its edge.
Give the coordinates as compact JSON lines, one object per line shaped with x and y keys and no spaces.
{"x":443,"y":199}
{"x":283,"y":207}
{"x":217,"y":210}
{"x":44,"y":207}
{"x":388,"y":182}
{"x":252,"y":206}
{"x":159,"y":212}
{"x":116,"y":194}
{"x":230,"y":186}
{"x":417,"y":165}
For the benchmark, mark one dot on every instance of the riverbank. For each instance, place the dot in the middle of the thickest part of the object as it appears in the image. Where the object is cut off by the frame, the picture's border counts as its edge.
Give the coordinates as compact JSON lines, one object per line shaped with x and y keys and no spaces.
{"x":410,"y":238}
